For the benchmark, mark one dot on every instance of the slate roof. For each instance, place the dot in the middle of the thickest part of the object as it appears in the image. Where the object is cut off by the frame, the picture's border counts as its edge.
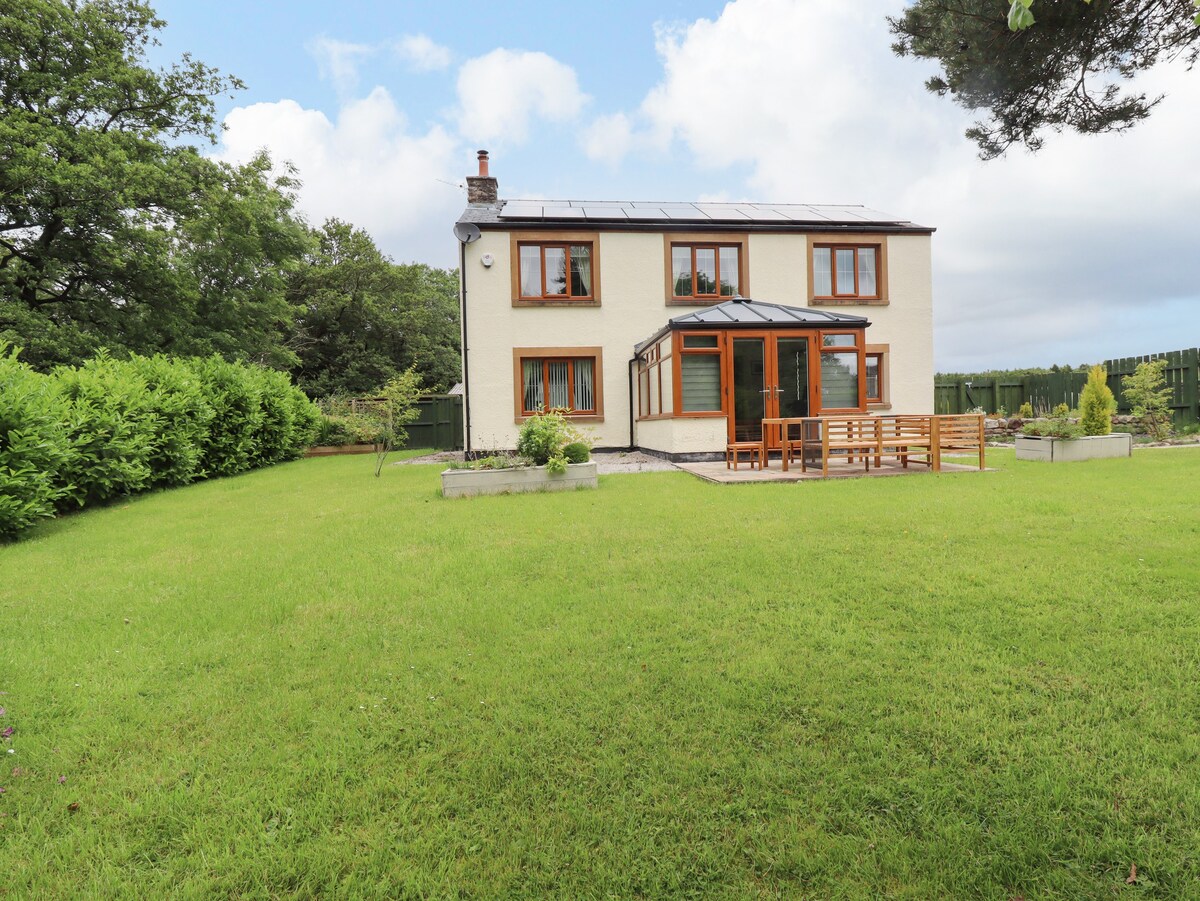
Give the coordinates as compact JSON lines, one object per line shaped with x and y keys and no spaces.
{"x":746,"y":313}
{"x":635,"y":214}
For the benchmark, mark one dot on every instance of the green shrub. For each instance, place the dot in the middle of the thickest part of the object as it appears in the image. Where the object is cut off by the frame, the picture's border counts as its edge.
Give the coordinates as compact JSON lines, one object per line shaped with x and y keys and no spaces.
{"x":542,"y":436}
{"x":112,"y":431}
{"x":341,"y":423}
{"x":176,"y":396}
{"x":34,"y":446}
{"x":1058,"y":427}
{"x":232,"y":392}
{"x":1149,"y":397}
{"x":1026,"y":411}
{"x":546,"y":435}
{"x":577,"y":452}
{"x":1096,"y":404}
{"x":287,"y":423}
{"x":109,"y":428}
{"x":340,"y":429}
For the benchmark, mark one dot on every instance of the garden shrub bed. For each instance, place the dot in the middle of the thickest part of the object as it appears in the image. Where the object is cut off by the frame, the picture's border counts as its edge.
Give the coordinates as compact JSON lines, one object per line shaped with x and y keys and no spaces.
{"x":85,"y":435}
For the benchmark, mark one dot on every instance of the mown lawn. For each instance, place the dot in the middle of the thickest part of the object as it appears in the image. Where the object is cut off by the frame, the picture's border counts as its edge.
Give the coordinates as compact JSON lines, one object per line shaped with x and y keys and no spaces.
{"x":308,"y":682}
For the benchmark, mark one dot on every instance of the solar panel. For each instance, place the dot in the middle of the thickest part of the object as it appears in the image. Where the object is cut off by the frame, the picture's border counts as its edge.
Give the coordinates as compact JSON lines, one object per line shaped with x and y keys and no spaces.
{"x":763,"y":213}
{"x":684,"y":212}
{"x":516,"y":209}
{"x":562,"y":212}
{"x":799,"y":213}
{"x":661,"y":205}
{"x":644,"y":213}
{"x":724,"y":212}
{"x":845,"y":213}
{"x":603,"y":212}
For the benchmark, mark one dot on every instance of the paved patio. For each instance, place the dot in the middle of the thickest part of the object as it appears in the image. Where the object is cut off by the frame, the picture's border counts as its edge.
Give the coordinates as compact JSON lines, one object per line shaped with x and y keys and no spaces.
{"x":715,"y":471}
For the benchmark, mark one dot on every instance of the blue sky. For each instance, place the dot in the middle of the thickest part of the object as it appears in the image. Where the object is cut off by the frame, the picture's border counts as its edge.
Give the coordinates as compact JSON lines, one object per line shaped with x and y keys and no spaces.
{"x":1082,"y":252}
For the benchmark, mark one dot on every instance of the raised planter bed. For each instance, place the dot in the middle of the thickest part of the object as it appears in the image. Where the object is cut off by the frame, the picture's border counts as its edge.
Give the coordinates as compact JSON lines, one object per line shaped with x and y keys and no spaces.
{"x":472,"y":482}
{"x":1066,"y":450}
{"x":329,"y":450}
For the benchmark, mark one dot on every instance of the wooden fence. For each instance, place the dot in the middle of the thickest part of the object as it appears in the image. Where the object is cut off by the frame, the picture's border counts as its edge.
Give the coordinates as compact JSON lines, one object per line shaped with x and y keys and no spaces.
{"x":439,"y":425}
{"x":1045,"y":392}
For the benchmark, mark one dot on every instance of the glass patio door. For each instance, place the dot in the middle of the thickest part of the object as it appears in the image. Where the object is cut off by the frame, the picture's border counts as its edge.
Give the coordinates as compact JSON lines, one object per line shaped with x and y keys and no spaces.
{"x":790,"y":392}
{"x":750,"y":391}
{"x":770,"y":378}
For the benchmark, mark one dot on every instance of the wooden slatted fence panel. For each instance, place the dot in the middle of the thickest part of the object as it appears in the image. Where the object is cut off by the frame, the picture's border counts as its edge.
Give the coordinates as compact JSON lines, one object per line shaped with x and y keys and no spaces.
{"x":1182,"y":374}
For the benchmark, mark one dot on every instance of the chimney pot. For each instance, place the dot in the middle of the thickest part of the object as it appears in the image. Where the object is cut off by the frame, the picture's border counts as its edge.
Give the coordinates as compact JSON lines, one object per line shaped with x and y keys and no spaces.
{"x":483,"y":164}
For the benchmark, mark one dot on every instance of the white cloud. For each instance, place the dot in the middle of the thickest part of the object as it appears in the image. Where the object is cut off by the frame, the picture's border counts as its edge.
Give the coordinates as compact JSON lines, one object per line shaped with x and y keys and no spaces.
{"x":365,"y":167}
{"x":501,"y":92}
{"x":422,"y":54}
{"x":1082,"y":251}
{"x":609,"y":138}
{"x":338,"y":61}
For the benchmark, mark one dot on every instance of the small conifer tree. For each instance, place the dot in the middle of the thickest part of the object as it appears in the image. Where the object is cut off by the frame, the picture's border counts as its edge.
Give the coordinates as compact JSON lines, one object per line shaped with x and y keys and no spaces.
{"x":1096,"y":403}
{"x":1149,"y":397}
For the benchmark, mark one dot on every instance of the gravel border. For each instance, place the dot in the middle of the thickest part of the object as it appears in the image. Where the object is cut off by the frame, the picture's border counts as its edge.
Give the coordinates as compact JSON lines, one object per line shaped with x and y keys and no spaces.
{"x":607,"y":462}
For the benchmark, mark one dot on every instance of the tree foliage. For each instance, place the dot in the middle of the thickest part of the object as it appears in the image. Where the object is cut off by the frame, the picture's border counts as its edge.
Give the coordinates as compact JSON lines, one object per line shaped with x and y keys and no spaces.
{"x":1149,"y":397}
{"x":113,"y":232}
{"x":361,"y":320}
{"x":1069,"y":71}
{"x":1096,"y":403}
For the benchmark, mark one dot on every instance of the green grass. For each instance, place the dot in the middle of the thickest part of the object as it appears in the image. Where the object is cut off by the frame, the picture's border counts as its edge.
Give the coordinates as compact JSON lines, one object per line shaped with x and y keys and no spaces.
{"x":305,"y":681}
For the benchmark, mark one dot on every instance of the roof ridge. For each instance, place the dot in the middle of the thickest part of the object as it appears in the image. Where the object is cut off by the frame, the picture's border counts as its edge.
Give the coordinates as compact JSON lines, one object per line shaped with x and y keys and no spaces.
{"x":768,"y":203}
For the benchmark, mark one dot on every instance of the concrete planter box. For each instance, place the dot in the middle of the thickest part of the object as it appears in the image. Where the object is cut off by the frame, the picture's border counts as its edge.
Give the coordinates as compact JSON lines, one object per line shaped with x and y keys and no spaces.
{"x":1066,"y":450}
{"x":471,"y":482}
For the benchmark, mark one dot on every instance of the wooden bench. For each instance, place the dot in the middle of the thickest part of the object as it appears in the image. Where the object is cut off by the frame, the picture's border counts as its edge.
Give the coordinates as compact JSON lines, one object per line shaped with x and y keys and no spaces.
{"x":962,"y":432}
{"x":752,"y":449}
{"x":854,"y":436}
{"x":908,"y":439}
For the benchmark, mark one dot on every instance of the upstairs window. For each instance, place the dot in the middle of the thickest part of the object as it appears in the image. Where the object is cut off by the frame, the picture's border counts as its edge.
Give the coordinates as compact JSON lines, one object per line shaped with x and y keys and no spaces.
{"x":845,"y":271}
{"x":705,"y":270}
{"x":556,"y":272}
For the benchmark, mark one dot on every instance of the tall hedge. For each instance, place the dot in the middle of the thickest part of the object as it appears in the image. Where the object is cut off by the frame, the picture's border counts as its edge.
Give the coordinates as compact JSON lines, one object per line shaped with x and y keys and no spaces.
{"x":34,"y":445}
{"x":112,"y":427}
{"x":176,"y":396}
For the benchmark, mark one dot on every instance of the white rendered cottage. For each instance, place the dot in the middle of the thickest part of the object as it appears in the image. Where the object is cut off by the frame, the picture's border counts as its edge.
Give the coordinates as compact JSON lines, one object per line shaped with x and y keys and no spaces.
{"x":677,"y":327}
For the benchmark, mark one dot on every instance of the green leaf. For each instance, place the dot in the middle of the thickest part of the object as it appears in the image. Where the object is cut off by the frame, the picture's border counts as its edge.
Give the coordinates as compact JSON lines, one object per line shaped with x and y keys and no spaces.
{"x":1019,"y":16}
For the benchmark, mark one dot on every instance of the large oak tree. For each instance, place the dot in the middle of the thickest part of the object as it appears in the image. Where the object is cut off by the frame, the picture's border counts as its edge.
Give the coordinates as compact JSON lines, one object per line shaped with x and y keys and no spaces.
{"x":113,"y":231}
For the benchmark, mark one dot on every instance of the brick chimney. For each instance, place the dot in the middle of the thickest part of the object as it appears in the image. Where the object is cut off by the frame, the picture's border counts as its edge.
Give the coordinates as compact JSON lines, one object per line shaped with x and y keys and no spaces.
{"x":482,"y":188}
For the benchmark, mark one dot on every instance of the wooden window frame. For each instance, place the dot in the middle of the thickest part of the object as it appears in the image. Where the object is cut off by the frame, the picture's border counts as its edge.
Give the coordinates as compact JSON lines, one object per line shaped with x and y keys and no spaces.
{"x":677,"y":352}
{"x":542,"y":239}
{"x":701,"y":239}
{"x":859,"y":350}
{"x":650,"y":365}
{"x":845,"y":242}
{"x":596,"y":354}
{"x":883,"y":401}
